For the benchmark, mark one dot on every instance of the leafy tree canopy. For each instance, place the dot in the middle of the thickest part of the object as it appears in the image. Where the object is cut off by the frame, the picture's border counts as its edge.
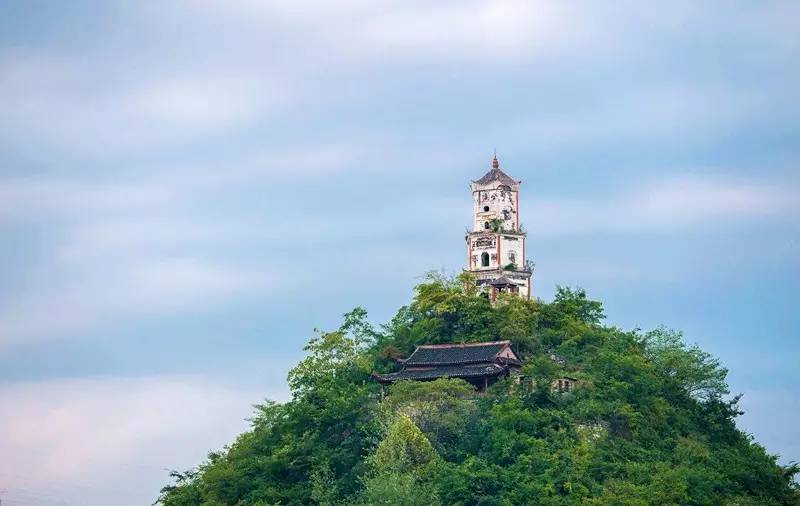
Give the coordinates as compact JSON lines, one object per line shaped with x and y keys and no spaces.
{"x":649,"y":422}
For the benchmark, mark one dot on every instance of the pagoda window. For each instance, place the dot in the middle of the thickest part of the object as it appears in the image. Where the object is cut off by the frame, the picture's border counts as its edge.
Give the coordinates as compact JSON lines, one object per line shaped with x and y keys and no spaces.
{"x":485,"y":259}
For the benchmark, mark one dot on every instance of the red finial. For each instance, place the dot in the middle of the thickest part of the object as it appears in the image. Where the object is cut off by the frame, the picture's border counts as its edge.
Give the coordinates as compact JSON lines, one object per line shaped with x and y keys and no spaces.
{"x":495,"y":163}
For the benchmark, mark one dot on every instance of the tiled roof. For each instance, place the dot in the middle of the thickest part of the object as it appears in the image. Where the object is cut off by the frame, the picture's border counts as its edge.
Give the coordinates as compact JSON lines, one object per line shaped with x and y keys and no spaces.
{"x":453,"y":371}
{"x":502,"y":281}
{"x":454,"y":354}
{"x":496,"y":175}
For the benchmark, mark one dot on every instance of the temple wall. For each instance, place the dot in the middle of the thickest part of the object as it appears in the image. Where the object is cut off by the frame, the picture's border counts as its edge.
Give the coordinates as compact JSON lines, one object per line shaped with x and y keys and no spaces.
{"x":511,"y":250}
{"x":501,"y":204}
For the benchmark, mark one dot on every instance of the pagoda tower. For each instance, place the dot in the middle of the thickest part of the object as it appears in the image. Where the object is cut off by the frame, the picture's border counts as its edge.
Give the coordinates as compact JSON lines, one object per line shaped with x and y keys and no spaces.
{"x":496,"y":244}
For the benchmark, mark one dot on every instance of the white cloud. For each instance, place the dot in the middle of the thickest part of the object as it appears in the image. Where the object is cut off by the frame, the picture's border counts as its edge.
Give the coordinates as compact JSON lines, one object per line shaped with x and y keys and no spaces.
{"x":581,"y":270}
{"x":275,"y":53}
{"x":116,"y":252}
{"x":70,"y":104}
{"x":64,"y":198}
{"x":198,"y":103}
{"x":693,"y":200}
{"x":662,"y":206}
{"x":70,"y":298}
{"x":476,"y":29}
{"x":355,"y":30}
{"x":101,"y":238}
{"x":285,"y":166}
{"x":110,"y":440}
{"x":487,"y":31}
{"x":664,"y":109}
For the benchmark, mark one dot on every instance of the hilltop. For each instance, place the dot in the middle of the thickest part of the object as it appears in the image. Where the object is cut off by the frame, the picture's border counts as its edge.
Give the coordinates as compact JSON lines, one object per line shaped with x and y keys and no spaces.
{"x":650,"y":421}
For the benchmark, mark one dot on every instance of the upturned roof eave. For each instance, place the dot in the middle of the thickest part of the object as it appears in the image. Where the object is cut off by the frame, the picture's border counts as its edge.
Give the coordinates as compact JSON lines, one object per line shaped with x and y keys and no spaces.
{"x":496,"y":175}
{"x":435,"y":373}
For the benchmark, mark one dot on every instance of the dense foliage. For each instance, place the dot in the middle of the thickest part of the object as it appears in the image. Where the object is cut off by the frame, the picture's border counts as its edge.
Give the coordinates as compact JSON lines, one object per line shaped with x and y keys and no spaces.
{"x":648,"y":423}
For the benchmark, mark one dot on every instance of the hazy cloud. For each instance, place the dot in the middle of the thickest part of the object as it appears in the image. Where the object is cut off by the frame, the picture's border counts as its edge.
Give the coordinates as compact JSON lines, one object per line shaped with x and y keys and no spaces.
{"x":111,"y":440}
{"x":115,"y":252}
{"x":48,"y":198}
{"x":179,"y":158}
{"x":663,"y":206}
{"x":83,"y":109}
{"x":79,"y":298}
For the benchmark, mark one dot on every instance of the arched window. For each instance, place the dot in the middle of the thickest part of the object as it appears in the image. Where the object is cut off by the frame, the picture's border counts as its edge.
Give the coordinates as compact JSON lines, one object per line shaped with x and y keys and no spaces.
{"x":486,"y":225}
{"x":485,"y":259}
{"x":485,"y":209}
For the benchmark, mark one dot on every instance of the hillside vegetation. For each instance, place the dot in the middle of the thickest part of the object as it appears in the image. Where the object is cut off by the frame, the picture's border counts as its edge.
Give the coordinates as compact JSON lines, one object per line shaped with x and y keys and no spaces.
{"x":650,"y":422}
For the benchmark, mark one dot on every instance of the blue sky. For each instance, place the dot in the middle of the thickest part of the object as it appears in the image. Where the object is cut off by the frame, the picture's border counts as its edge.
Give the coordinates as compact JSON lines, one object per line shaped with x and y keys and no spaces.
{"x":188,"y":188}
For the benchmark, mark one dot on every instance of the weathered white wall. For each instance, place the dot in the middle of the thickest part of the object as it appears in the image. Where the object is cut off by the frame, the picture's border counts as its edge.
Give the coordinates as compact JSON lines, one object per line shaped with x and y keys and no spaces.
{"x":484,"y":243}
{"x":497,"y":200}
{"x":509,"y":245}
{"x":507,"y":353}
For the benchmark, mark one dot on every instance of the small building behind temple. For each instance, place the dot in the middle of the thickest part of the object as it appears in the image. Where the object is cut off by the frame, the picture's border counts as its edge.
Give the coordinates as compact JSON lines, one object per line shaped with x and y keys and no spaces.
{"x":480,"y":364}
{"x":563,"y":384}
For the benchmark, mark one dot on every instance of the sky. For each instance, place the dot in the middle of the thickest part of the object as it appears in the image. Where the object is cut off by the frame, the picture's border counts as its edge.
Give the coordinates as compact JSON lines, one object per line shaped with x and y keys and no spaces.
{"x":189,"y":188}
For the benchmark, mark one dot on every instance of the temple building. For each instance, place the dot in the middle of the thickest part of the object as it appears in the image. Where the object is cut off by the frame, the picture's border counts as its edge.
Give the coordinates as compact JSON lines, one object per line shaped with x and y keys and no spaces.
{"x":496,"y":244}
{"x":496,"y":258}
{"x":480,"y":364}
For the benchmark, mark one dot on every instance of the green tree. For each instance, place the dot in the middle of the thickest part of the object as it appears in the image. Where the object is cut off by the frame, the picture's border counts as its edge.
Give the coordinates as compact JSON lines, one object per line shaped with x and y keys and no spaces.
{"x":397,"y":489}
{"x":444,"y":410}
{"x":404,"y":449}
{"x":401,"y":467}
{"x":686,"y":368}
{"x":650,"y":422}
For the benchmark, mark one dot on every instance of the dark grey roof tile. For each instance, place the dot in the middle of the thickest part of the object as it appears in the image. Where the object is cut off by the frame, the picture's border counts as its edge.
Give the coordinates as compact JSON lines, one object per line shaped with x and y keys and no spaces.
{"x":496,"y":175}
{"x":452,"y":354}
